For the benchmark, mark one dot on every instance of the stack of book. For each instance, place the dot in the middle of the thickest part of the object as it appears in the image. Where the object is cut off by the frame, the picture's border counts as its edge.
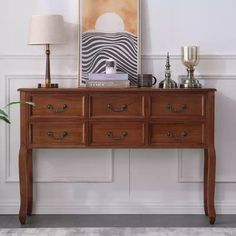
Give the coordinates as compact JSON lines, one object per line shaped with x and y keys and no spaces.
{"x":108,"y":80}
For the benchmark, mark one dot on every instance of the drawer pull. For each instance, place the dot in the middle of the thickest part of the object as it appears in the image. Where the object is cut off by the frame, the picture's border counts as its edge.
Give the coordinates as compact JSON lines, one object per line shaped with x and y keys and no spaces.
{"x":182,"y":135}
{"x":122,"y":109}
{"x":122,"y":136}
{"x":57,"y":110}
{"x":60,"y":137}
{"x":176,"y":110}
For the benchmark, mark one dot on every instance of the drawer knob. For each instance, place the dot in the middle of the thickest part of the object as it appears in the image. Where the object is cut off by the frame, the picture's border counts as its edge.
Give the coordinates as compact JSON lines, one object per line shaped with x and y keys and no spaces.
{"x":182,"y":135}
{"x":59,"y":137}
{"x":122,"y":109}
{"x":113,"y":137}
{"x":176,"y":110}
{"x":57,"y":110}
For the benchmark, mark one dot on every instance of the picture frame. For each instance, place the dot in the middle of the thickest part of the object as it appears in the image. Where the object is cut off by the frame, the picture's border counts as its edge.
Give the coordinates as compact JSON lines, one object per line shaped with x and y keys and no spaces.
{"x":109,"y":29}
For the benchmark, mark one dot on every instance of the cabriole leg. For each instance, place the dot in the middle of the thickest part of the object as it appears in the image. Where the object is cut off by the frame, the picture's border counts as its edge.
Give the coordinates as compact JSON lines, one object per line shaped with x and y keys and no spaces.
{"x":30,"y":182}
{"x":211,"y":185}
{"x":23,"y":184}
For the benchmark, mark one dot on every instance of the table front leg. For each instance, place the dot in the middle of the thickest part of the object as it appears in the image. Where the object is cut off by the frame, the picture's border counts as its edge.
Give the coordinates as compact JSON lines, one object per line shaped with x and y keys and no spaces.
{"x":23,"y":183}
{"x":205,"y":187}
{"x":211,"y":172}
{"x":30,"y":182}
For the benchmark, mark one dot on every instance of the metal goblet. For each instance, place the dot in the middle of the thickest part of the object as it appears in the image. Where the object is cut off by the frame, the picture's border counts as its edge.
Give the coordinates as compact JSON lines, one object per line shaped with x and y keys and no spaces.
{"x":190,"y":58}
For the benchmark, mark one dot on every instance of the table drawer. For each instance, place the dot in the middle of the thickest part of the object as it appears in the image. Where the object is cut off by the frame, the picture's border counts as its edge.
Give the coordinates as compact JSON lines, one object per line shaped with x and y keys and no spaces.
{"x":57,"y":133}
{"x":60,"y":105}
{"x":178,"y":133}
{"x":117,"y":134}
{"x":178,"y":105}
{"x":117,"y":106}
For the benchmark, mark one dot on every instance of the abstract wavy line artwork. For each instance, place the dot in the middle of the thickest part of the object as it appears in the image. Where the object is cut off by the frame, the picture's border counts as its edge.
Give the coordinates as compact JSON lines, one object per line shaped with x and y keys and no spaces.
{"x":110,"y":29}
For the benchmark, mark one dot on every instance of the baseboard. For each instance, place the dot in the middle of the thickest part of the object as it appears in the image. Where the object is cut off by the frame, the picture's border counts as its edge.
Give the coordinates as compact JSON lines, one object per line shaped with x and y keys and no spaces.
{"x":118,"y":208}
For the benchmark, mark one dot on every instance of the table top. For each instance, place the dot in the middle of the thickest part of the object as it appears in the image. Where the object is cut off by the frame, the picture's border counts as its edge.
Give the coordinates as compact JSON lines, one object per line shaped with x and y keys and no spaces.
{"x":110,"y":89}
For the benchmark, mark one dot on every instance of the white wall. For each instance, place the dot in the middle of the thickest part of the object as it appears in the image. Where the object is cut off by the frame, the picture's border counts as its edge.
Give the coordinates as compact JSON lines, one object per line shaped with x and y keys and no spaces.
{"x":122,"y":181}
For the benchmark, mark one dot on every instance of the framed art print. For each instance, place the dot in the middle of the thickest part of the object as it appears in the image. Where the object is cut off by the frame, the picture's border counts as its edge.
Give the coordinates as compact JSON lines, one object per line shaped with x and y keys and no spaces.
{"x":109,"y":29}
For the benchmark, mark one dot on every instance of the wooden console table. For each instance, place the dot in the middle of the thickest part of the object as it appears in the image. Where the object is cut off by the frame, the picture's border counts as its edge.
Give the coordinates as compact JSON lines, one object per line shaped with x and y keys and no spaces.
{"x":117,"y":118}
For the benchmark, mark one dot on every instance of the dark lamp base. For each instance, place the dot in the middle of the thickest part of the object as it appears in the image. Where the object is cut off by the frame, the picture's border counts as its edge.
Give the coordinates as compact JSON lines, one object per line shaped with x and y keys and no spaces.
{"x":48,"y":86}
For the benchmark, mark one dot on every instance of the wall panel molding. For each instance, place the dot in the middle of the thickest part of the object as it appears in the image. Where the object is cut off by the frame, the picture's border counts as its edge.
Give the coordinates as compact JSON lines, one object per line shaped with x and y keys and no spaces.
{"x":213,"y":77}
{"x":56,"y":179}
{"x":225,"y":57}
{"x":197,"y":179}
{"x":181,"y":177}
{"x":36,"y":57}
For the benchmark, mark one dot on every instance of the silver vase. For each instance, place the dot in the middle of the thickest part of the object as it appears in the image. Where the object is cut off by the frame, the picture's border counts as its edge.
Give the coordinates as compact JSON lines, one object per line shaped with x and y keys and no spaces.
{"x":168,"y":82}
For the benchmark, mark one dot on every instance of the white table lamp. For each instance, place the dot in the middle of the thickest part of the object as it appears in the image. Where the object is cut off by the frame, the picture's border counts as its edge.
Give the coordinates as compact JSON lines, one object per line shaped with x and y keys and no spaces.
{"x":46,"y":30}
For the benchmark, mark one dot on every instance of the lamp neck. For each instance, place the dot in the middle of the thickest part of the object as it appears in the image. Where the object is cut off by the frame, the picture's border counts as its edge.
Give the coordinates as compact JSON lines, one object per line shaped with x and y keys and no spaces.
{"x":48,"y":73}
{"x":47,"y":50}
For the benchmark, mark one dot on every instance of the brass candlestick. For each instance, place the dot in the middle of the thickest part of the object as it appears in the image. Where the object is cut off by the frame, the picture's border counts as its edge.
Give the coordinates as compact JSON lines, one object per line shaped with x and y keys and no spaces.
{"x":190,"y":58}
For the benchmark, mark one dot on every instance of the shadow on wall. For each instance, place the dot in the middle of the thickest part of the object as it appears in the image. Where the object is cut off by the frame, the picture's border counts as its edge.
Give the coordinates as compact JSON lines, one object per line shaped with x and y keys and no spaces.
{"x":67,"y":62}
{"x":225,"y":127}
{"x":225,"y":108}
{"x":145,"y":30}
{"x":225,"y":139}
{"x":71,"y":44}
{"x":225,"y":124}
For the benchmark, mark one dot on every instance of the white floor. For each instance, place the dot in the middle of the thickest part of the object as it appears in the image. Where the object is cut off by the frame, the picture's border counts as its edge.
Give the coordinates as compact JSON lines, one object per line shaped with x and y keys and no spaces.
{"x":119,"y":232}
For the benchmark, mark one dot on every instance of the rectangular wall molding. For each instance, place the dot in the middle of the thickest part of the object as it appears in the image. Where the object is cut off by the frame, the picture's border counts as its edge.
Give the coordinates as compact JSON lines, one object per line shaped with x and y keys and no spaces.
{"x":181,"y":177}
{"x":9,"y":178}
{"x":225,"y":57}
{"x":35,"y":57}
{"x":197,"y":179}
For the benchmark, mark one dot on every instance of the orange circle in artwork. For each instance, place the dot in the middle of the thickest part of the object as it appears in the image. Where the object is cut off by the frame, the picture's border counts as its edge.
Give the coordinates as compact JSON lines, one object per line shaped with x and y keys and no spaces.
{"x":126,"y":9}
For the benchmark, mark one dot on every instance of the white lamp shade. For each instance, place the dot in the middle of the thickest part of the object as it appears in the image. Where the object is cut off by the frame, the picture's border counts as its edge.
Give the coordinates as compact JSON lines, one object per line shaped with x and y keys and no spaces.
{"x":46,"y":29}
